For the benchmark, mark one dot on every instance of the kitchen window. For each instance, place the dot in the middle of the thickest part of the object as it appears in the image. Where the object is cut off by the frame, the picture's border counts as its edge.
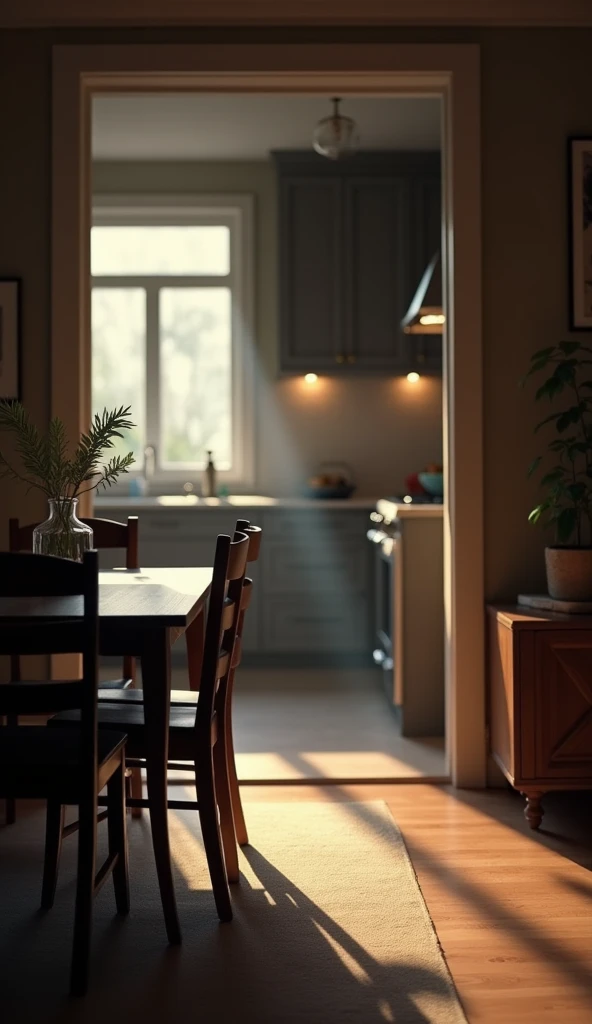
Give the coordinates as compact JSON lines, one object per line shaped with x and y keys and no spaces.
{"x":172,"y":330}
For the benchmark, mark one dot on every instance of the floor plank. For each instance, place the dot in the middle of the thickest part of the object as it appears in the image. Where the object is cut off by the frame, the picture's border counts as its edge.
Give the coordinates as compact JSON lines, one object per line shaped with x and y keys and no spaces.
{"x":512,"y":909}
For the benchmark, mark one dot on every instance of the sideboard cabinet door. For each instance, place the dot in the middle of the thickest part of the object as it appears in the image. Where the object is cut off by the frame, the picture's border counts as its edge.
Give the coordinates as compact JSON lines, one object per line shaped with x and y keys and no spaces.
{"x":563,"y":704}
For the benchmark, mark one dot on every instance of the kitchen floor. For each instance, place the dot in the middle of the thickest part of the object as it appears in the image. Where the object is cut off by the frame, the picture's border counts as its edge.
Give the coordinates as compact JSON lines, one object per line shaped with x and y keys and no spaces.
{"x":294,"y":724}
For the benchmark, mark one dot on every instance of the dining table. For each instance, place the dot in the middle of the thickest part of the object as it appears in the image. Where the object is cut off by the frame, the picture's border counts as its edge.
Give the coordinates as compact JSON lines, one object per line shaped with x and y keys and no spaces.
{"x":142,"y":612}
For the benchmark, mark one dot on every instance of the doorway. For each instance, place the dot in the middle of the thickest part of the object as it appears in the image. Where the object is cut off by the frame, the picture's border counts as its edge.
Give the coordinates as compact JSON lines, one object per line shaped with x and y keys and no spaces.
{"x":83,"y":72}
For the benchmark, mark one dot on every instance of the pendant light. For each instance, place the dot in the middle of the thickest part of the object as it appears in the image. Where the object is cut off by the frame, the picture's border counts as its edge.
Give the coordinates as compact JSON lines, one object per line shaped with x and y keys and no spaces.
{"x":336,"y":136}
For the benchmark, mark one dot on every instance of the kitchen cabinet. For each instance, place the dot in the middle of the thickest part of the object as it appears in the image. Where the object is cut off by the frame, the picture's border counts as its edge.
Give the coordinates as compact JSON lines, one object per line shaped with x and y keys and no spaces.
{"x":354,"y":240}
{"x":426,"y":239}
{"x":540,"y":701}
{"x":310,"y":273}
{"x":312,"y":600}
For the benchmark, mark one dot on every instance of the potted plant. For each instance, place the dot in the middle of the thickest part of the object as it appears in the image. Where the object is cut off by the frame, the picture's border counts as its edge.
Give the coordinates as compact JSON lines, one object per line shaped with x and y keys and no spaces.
{"x":567,"y":507}
{"x":46,"y":465}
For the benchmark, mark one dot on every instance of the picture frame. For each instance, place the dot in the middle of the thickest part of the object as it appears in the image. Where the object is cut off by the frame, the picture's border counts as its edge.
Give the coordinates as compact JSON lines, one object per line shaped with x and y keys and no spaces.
{"x":10,"y":338}
{"x":580,"y":234}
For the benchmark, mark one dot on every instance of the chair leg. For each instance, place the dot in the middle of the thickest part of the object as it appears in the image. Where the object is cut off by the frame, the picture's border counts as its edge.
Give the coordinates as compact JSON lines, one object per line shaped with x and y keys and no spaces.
{"x":85,"y":886}
{"x":224,"y":800}
{"x":210,"y":827}
{"x":117,"y":827}
{"x":136,"y":790}
{"x":54,"y":827}
{"x":240,"y":827}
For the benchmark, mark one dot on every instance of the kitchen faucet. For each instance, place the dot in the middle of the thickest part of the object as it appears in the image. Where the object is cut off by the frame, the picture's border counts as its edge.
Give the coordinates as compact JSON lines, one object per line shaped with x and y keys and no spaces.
{"x":149,"y":464}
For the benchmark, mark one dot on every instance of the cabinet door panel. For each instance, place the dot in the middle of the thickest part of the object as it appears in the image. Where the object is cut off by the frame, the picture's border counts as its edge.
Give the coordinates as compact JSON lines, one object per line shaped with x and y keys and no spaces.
{"x":426,"y":240}
{"x":322,"y":525}
{"x":310,"y":277}
{"x":336,"y":571}
{"x":308,"y":626}
{"x":377,"y":275}
{"x":563,"y":706}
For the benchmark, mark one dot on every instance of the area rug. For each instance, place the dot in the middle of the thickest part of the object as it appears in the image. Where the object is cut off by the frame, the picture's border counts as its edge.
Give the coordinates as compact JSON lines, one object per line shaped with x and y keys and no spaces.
{"x":330,"y":927}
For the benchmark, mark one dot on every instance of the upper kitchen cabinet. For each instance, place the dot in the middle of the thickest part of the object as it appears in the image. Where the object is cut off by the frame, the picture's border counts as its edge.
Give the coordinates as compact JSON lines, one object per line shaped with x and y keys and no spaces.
{"x":426,"y":240}
{"x":310,"y":272}
{"x":354,"y":239}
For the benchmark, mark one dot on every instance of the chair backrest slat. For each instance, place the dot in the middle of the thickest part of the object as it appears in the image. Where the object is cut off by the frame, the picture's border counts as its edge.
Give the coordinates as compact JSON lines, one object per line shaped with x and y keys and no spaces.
{"x":26,"y":579}
{"x":107,"y":534}
{"x":230,"y":564}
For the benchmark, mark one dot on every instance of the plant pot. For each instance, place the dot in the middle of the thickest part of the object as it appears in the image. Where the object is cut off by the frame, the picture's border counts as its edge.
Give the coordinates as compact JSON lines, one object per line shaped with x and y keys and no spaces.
{"x":569,"y":573}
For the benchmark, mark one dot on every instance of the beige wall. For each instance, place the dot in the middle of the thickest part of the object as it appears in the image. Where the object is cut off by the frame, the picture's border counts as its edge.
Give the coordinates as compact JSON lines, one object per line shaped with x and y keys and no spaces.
{"x":384,"y":429}
{"x":536,"y":90}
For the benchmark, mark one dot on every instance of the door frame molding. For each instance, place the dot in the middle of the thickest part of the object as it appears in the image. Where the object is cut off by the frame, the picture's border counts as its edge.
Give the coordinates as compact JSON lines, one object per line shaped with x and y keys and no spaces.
{"x":266,"y":13}
{"x":451,"y":72}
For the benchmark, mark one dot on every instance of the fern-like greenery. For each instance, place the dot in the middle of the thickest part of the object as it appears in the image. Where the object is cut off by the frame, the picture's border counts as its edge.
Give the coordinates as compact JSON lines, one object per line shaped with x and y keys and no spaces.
{"x":44,"y":459}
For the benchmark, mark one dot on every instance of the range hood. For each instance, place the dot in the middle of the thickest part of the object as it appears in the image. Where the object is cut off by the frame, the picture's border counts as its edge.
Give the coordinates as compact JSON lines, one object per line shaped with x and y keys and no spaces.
{"x":425,"y":314}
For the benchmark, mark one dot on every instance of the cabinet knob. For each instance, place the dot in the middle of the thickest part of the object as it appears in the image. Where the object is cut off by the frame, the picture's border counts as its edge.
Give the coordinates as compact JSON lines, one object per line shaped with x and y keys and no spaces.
{"x":339,"y":359}
{"x":351,"y":359}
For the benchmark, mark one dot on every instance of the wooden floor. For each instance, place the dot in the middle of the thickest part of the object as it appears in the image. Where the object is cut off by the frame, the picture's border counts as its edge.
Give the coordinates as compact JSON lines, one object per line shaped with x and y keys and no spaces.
{"x":512,"y":909}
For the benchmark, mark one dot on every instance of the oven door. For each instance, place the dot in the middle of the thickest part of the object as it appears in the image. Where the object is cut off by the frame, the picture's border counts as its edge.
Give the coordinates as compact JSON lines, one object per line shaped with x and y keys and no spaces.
{"x":388,"y":652}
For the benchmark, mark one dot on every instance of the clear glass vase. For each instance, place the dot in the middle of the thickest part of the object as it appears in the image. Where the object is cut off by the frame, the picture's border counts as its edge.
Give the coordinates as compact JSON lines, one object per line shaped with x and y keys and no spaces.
{"x":62,"y":534}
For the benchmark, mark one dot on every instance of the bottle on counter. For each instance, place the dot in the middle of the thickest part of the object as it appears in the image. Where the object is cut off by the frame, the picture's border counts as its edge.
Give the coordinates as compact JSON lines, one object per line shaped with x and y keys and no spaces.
{"x":209,"y":478}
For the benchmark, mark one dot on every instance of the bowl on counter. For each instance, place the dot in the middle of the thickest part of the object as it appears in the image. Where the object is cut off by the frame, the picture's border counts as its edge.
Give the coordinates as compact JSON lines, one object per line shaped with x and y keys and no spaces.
{"x":330,"y":491}
{"x":433,"y":483}
{"x":333,"y":480}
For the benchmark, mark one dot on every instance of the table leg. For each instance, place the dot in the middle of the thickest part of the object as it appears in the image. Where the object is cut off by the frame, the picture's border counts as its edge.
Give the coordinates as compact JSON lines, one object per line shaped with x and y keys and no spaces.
{"x":156,"y":681}
{"x":195,"y":638}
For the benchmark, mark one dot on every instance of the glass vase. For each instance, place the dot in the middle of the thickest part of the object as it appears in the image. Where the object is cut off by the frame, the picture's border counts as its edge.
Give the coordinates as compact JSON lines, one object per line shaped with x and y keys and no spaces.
{"x":62,"y":534}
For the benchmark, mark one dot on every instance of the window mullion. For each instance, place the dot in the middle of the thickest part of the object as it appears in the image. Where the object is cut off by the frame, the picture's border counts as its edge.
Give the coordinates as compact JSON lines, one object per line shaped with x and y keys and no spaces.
{"x":153,"y":368}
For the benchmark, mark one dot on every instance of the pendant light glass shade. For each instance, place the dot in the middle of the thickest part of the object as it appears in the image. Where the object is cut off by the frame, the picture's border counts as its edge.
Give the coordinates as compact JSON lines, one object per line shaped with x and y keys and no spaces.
{"x":336,"y":136}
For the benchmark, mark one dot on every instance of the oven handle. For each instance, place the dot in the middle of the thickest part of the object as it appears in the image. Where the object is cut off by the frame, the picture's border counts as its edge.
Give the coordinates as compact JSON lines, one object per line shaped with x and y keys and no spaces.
{"x":377,"y":536}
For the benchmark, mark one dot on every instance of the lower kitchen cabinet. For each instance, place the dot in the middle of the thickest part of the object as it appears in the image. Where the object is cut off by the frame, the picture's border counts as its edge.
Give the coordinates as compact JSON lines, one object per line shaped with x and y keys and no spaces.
{"x":540,"y":701}
{"x":313,"y":599}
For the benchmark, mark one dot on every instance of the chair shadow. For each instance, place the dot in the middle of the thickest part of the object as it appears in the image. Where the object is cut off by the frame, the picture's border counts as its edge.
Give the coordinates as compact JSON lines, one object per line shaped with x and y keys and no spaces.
{"x":281,"y":959}
{"x":377,"y":980}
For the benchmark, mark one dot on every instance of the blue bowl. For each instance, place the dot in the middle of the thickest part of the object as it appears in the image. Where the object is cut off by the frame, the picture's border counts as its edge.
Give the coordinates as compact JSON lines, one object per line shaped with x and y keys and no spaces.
{"x":433,"y":483}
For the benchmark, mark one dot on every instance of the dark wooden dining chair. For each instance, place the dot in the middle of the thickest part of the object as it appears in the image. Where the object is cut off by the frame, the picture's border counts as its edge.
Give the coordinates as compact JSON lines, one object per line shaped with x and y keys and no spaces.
{"x":62,"y":766}
{"x":106,"y":535}
{"x":235,"y":830}
{"x":196,"y":734}
{"x":186,"y":698}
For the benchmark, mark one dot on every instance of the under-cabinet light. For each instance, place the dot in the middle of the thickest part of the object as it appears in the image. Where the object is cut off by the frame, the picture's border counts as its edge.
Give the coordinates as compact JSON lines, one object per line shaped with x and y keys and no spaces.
{"x":310,"y":378}
{"x":413,"y":377}
{"x":432,"y":318}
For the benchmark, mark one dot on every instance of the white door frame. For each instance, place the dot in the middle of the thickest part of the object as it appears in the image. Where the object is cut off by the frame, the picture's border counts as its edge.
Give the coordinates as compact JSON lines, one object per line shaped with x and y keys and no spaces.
{"x":451,"y":72}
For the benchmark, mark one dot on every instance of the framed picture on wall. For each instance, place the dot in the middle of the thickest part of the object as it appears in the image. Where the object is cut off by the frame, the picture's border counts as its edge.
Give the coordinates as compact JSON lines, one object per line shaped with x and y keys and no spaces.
{"x":580,"y":202}
{"x":10,"y":341}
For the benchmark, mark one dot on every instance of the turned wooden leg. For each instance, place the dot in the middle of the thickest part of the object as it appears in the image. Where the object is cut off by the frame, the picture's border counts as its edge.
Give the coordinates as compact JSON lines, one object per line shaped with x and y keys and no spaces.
{"x":533,"y":812}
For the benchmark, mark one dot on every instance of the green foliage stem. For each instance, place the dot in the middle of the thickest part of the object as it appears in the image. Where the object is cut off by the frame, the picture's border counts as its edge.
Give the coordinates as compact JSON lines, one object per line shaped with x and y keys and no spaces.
{"x":44,"y":459}
{"x":567,"y":507}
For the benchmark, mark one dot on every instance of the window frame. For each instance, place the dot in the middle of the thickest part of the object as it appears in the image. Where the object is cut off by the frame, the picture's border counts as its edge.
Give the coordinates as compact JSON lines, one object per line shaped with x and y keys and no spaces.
{"x":237,"y":212}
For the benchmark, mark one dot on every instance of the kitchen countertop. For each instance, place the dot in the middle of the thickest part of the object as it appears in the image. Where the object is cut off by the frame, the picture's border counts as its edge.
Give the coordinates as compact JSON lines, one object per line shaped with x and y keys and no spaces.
{"x":193,"y":502}
{"x":392,"y":510}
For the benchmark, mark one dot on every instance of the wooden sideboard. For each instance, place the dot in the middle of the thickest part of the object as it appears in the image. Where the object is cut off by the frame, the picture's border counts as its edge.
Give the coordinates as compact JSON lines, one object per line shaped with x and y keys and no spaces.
{"x":540,"y":701}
